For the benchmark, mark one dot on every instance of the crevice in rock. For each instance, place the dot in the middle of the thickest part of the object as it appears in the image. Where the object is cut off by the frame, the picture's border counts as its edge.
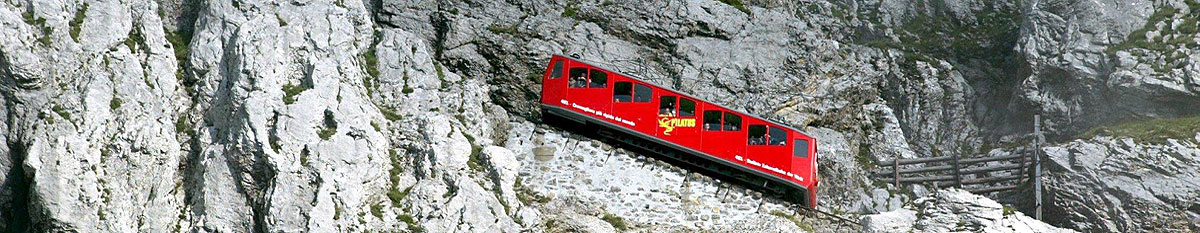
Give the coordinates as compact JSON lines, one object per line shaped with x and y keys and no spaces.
{"x":17,"y":187}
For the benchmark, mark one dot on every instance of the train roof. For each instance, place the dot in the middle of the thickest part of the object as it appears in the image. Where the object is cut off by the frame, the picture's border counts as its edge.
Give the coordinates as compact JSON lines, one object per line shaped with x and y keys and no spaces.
{"x":682,"y":93}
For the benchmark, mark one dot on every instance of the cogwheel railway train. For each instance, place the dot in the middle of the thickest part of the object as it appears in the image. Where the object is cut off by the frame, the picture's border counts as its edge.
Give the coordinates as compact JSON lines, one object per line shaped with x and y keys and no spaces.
{"x":719,"y":139}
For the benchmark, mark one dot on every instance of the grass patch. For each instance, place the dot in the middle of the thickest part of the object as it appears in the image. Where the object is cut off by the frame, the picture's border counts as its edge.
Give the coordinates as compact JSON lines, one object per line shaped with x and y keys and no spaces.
{"x":737,"y":4}
{"x":570,"y":11}
{"x":304,"y":157}
{"x":398,"y":196}
{"x":115,"y":103}
{"x":329,"y":128}
{"x":1151,"y":131}
{"x":474,"y":161}
{"x":527,"y":196}
{"x":377,"y":210}
{"x":39,"y":23}
{"x":390,"y":114}
{"x":411,"y":222}
{"x":135,"y":39}
{"x":1008,"y":210}
{"x":62,"y":112}
{"x":498,"y":29}
{"x":77,"y":22}
{"x":615,"y":221}
{"x":291,"y":91}
{"x":789,"y":217}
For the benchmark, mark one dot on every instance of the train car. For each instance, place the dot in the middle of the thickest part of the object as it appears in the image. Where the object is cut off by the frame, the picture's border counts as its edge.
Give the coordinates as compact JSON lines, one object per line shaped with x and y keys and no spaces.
{"x":740,"y":145}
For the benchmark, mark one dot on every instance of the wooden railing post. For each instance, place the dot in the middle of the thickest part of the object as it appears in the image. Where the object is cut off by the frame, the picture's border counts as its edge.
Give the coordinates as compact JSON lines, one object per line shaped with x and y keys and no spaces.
{"x":896,"y":172}
{"x":957,"y":175}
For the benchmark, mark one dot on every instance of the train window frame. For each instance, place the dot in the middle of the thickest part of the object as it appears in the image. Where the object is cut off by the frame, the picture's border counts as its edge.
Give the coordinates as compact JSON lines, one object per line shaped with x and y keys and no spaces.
{"x":772,"y":134}
{"x":733,"y":120}
{"x":670,"y":110}
{"x":593,"y":74}
{"x":571,"y":82}
{"x":618,"y":96}
{"x":688,"y":110}
{"x":707,"y":115}
{"x":642,"y":93}
{"x":800,"y":148}
{"x":557,"y":71}
{"x":751,"y":140}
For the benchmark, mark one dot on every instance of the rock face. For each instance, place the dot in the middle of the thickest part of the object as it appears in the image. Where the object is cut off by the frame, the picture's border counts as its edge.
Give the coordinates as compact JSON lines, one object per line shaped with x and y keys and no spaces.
{"x":422,"y":116}
{"x":955,"y":210}
{"x":1108,"y":184}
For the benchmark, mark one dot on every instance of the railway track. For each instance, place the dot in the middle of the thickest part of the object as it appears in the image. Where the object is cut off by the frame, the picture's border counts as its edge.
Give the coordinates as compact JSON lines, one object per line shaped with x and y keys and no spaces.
{"x":702,"y":165}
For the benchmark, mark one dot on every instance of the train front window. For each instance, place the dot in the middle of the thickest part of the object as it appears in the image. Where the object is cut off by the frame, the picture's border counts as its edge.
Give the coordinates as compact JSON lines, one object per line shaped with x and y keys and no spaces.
{"x":712,"y":120}
{"x":578,"y":77}
{"x":800,"y":148}
{"x":642,"y":93}
{"x":687,"y":107}
{"x":733,"y":122}
{"x":599,"y":79}
{"x":666,"y":105}
{"x":557,"y":71}
{"x":757,"y":135}
{"x":622,"y":92}
{"x":778,"y":137}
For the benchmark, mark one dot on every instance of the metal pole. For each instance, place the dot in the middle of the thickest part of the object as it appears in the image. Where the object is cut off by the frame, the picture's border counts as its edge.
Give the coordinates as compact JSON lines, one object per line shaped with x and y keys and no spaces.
{"x":1037,"y":161}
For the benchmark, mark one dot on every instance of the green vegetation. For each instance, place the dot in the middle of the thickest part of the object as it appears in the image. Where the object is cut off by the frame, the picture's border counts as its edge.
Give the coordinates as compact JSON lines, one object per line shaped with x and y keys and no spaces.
{"x":77,"y":22}
{"x":527,"y":196}
{"x":304,"y":157}
{"x":398,"y":196}
{"x":135,"y":39}
{"x":377,"y":210}
{"x":291,"y":91}
{"x":802,"y":225}
{"x":1183,"y":36}
{"x":988,"y":36}
{"x":1150,"y":131}
{"x":390,"y":114}
{"x":737,"y":4}
{"x":473,"y":161}
{"x":498,"y":29}
{"x":179,"y":42}
{"x":570,"y":11}
{"x":115,"y":103}
{"x":1008,"y":210}
{"x":39,"y":23}
{"x":62,"y":112}
{"x":615,"y":221}
{"x":371,"y":64}
{"x":330,"y":126}
{"x":412,"y":223}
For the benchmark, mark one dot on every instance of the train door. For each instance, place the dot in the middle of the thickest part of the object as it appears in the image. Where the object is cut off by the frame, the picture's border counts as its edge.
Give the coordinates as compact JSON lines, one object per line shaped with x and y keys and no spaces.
{"x":631,"y":106}
{"x":721,"y":130}
{"x":677,"y":120}
{"x":554,"y":86}
{"x":588,"y":90}
{"x":802,"y":157}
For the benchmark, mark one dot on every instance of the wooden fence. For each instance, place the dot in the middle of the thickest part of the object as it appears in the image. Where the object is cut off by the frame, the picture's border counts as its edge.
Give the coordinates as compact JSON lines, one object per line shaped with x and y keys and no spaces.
{"x":952,"y":171}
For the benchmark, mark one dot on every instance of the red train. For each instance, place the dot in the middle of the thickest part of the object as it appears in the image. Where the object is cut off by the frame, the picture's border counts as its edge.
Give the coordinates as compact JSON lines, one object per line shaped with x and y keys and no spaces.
{"x":734,"y":143}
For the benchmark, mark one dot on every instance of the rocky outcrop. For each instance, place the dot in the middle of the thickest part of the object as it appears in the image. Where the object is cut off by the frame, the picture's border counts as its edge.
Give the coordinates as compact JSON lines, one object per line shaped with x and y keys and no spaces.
{"x":955,"y":210}
{"x":1113,"y":184}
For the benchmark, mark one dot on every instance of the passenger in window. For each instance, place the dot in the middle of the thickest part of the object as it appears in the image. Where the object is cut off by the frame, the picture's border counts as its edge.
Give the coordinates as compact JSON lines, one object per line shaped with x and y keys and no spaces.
{"x":578,"y":77}
{"x":668,"y":109}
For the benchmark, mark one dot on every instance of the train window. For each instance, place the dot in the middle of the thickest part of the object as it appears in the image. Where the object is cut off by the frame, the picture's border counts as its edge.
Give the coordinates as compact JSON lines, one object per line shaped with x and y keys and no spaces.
{"x":733,"y":122}
{"x":622,"y":92}
{"x":557,"y":72}
{"x":578,"y":77}
{"x":666,"y":105}
{"x":800,"y":148}
{"x":642,"y":93}
{"x":712,"y":120}
{"x":757,"y":135}
{"x":687,"y":107}
{"x":599,"y":79}
{"x":778,"y":137}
